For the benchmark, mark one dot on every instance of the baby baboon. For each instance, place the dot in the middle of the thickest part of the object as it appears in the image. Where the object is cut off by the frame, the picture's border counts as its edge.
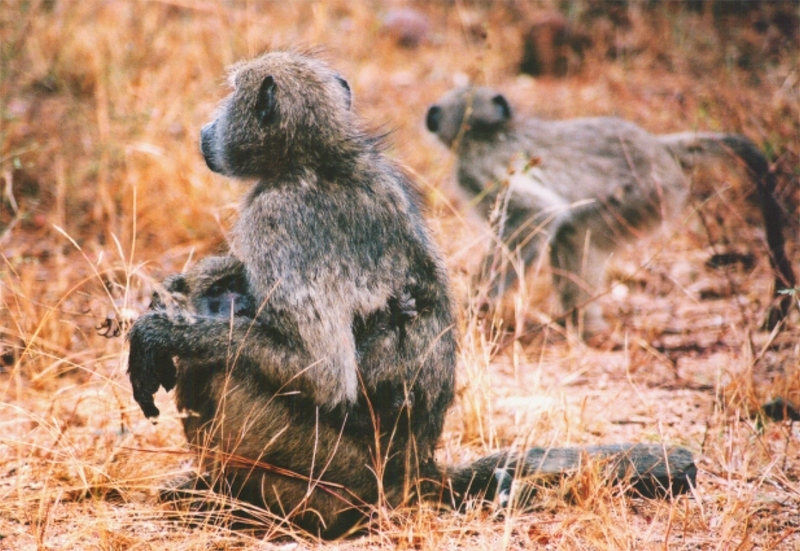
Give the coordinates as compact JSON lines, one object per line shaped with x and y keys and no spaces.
{"x":216,"y":287}
{"x":353,"y":309}
{"x":582,"y":187}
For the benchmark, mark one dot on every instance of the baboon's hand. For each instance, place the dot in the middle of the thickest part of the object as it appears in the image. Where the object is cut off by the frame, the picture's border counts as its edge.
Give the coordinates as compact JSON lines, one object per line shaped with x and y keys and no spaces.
{"x":403,"y":400}
{"x":402,"y":310}
{"x":406,"y":307}
{"x":150,"y":363}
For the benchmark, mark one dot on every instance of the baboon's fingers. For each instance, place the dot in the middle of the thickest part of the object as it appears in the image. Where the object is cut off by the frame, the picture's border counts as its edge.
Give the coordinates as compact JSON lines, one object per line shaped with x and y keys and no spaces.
{"x":187,"y":487}
{"x":145,"y":400}
{"x":403,"y":400}
{"x":407,"y":306}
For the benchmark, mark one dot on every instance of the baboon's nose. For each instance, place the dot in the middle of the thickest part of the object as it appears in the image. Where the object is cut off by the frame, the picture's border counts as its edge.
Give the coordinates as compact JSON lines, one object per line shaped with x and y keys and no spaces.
{"x":207,"y":134}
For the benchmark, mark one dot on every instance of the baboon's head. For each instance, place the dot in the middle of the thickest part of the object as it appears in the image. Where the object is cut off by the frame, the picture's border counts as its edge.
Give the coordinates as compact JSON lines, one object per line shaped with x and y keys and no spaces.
{"x":217,"y":286}
{"x":286,"y":110}
{"x":471,"y":112}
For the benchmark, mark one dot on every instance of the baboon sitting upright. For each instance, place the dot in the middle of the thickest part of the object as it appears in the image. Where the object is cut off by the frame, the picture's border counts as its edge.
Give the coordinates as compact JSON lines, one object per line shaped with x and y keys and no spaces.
{"x":352,"y":304}
{"x":583,"y":187}
{"x":330,"y":236}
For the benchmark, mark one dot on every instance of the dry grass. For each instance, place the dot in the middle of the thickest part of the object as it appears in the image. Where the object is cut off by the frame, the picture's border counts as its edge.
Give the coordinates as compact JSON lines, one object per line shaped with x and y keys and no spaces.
{"x":101,"y":104}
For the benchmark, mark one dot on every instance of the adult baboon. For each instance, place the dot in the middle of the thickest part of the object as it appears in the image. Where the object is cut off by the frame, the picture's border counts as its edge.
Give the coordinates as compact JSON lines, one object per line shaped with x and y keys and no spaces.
{"x":353,"y":306}
{"x":583,"y":187}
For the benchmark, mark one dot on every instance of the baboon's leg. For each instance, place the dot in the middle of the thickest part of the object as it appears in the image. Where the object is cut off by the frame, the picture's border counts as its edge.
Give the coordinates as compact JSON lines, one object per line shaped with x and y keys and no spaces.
{"x":288,"y":457}
{"x":322,"y":509}
{"x":580,"y":247}
{"x":522,"y":232}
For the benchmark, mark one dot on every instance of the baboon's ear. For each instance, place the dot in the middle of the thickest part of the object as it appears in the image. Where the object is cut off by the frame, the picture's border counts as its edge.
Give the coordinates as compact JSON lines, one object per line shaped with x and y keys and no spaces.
{"x":346,"y":87}
{"x":434,"y":118}
{"x":176,"y":283}
{"x":266,"y":105}
{"x":502,"y":107}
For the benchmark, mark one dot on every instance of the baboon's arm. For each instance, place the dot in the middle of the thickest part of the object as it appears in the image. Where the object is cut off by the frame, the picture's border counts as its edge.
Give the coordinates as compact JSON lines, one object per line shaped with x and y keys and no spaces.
{"x":427,"y":352}
{"x":241,"y":342}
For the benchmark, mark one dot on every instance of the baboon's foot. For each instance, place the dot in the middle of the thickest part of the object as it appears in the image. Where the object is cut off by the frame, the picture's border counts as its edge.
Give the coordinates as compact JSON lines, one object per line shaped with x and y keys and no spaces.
{"x":587,"y":324}
{"x":595,"y":327}
{"x":186,"y":489}
{"x":195,"y":501}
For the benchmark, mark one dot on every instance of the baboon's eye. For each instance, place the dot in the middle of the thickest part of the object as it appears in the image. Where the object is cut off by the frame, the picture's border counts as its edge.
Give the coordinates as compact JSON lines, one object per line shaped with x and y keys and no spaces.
{"x":267,"y":103}
{"x":501,"y":104}
{"x":433,"y":120}
{"x":346,"y":87}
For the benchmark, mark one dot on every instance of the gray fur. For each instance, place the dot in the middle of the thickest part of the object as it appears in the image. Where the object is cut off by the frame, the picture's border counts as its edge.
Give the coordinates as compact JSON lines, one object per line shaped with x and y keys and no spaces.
{"x":580,"y":187}
{"x":331,"y":393}
{"x":215,"y":287}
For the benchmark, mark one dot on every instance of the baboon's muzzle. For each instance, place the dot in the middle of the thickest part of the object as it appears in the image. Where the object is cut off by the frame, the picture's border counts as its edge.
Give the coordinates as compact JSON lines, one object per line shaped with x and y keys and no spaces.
{"x":207,"y":138}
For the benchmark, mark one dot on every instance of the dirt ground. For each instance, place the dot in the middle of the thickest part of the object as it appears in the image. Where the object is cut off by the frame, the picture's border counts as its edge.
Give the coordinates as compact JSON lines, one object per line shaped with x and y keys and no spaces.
{"x":104,"y":193}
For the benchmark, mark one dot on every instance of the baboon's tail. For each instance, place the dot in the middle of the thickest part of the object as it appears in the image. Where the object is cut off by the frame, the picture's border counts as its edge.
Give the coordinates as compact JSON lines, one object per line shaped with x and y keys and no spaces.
{"x":689,"y":147}
{"x":649,"y":470}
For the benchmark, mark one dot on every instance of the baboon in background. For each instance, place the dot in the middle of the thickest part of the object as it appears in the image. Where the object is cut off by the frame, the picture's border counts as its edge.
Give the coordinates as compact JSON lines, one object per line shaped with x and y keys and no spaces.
{"x":352,"y":304}
{"x":583,"y":187}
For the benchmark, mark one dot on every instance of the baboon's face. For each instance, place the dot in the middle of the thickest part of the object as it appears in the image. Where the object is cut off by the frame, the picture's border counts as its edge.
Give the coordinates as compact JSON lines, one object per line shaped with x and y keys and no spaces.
{"x":218,"y":286}
{"x":283,"y":108}
{"x":477,"y":112}
{"x":226,"y":297}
